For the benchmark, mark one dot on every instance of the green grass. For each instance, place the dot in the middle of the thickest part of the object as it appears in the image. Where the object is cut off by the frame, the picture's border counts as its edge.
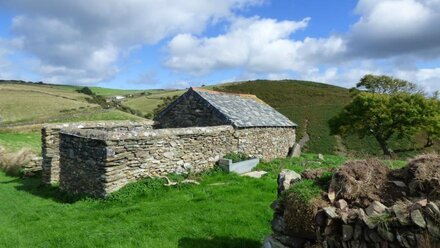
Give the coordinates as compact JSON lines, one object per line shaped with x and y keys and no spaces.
{"x":107,"y":92}
{"x":224,"y":211}
{"x":146,"y":104}
{"x":35,"y":103}
{"x":103,"y":115}
{"x":306,"y":161}
{"x":20,"y":106}
{"x":306,"y":190}
{"x":16,"y":141}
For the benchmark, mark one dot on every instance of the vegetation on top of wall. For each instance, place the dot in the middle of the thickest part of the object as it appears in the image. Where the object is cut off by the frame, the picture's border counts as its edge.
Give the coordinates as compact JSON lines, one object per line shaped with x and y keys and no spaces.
{"x":236,"y":156}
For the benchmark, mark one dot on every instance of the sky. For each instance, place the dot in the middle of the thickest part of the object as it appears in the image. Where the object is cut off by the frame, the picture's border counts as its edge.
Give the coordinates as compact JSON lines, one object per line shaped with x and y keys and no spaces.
{"x":144,"y":44}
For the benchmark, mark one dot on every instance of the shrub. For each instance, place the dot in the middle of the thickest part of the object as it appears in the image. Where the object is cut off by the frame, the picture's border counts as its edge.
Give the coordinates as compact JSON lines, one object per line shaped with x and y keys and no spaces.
{"x":236,"y":157}
{"x":12,"y":162}
{"x":85,"y":90}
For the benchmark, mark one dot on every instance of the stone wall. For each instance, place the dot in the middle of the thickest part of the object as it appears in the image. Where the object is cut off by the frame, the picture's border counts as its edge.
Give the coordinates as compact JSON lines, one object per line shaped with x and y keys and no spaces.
{"x":366,"y":205}
{"x":50,"y":141}
{"x":190,"y":111}
{"x":98,"y":162}
{"x":266,"y":143}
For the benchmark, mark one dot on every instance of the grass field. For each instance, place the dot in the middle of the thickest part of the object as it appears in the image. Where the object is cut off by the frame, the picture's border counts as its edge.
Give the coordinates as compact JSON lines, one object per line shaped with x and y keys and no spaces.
{"x":225,"y":210}
{"x":21,"y":106}
{"x":146,"y":104}
{"x":15,"y":141}
{"x":42,"y":103}
{"x":106,"y":92}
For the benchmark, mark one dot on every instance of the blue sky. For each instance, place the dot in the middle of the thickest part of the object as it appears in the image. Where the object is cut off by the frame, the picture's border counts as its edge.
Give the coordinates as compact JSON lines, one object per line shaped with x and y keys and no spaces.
{"x":169,"y":43}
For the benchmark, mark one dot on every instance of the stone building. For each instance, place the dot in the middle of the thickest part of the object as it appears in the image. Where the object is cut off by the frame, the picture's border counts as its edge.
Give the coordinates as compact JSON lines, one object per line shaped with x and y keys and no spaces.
{"x":200,"y":107}
{"x":191,"y":134}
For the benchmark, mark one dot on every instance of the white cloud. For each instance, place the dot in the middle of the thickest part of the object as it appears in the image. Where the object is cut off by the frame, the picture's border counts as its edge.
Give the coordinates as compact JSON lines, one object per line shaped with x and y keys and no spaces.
{"x":389,"y":28}
{"x":254,"y":44}
{"x":428,"y":78}
{"x":82,"y":42}
{"x":79,"y":38}
{"x":7,"y":68}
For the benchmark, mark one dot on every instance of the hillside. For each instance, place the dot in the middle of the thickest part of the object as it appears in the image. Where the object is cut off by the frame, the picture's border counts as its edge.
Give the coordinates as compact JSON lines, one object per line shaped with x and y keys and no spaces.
{"x":300,"y":101}
{"x":25,"y":104}
{"x":24,"y":107}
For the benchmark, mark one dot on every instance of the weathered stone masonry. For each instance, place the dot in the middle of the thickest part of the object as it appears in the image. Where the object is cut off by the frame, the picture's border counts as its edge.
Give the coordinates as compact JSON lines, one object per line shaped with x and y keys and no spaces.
{"x":50,"y":141}
{"x":98,"y":162}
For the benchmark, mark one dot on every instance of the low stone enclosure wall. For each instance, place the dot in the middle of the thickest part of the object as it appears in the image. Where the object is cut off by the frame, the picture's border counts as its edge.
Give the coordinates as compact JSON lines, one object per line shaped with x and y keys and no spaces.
{"x":51,"y":139}
{"x":98,"y":162}
{"x":366,"y":205}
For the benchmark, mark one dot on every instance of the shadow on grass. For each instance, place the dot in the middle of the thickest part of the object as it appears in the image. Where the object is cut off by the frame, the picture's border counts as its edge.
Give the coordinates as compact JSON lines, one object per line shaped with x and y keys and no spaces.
{"x":34,"y":186}
{"x":224,"y":242}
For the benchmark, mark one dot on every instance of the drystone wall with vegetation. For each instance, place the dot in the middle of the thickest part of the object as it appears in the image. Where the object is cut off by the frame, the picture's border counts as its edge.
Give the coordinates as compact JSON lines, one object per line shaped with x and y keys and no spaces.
{"x":98,"y":162}
{"x":365,"y":204}
{"x":51,"y":140}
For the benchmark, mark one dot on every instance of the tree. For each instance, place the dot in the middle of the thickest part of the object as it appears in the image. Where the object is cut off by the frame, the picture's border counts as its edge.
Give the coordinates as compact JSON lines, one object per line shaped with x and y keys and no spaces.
{"x":388,"y":109}
{"x":386,"y":85}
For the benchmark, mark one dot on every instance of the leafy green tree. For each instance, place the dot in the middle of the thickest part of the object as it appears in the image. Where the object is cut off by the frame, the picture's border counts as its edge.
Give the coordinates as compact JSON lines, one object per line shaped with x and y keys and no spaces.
{"x":383,"y":84}
{"x":388,"y":109}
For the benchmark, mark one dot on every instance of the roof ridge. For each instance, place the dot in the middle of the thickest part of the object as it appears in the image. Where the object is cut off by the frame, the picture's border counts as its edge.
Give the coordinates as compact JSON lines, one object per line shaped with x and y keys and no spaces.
{"x":248,"y":96}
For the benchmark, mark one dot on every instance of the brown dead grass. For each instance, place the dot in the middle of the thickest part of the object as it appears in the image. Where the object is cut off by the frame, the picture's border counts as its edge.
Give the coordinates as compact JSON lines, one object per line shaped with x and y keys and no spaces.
{"x":300,"y":215}
{"x":13,"y":162}
{"x":422,"y":176}
{"x":360,"y":179}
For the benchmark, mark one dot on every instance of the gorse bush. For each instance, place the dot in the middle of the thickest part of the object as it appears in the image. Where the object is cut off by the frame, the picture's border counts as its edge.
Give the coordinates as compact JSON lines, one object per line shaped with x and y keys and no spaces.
{"x":12,"y":162}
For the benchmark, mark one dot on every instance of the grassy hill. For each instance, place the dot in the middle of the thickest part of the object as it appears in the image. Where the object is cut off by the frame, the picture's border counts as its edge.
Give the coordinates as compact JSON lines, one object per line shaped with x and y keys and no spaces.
{"x":300,"y":101}
{"x":317,"y":103}
{"x":25,"y":103}
{"x":148,"y":102}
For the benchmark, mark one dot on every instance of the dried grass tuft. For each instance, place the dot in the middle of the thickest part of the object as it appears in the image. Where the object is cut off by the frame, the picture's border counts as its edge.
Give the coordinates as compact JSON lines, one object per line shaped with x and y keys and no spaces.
{"x":12,"y":163}
{"x":423,"y":175}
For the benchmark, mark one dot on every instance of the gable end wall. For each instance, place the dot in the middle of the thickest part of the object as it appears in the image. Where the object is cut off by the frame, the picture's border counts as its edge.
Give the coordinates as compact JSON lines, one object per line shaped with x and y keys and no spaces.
{"x":190,"y":110}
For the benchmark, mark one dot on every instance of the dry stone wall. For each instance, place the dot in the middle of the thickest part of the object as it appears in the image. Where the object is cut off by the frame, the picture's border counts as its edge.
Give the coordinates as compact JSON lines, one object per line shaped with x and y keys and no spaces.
{"x":98,"y":162}
{"x":50,"y":142}
{"x":366,"y":205}
{"x":266,"y":143}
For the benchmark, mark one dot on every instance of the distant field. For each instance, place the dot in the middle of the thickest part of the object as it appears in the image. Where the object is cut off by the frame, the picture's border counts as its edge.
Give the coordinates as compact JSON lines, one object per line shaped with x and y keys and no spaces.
{"x":146,"y":104}
{"x":106,"y":92}
{"x":22,"y":105}
{"x":61,"y":91}
{"x":17,"y":140}
{"x":103,"y":115}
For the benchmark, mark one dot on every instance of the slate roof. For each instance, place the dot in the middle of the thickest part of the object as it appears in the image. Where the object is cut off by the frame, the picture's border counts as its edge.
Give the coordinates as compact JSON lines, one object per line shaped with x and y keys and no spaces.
{"x":243,"y":110}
